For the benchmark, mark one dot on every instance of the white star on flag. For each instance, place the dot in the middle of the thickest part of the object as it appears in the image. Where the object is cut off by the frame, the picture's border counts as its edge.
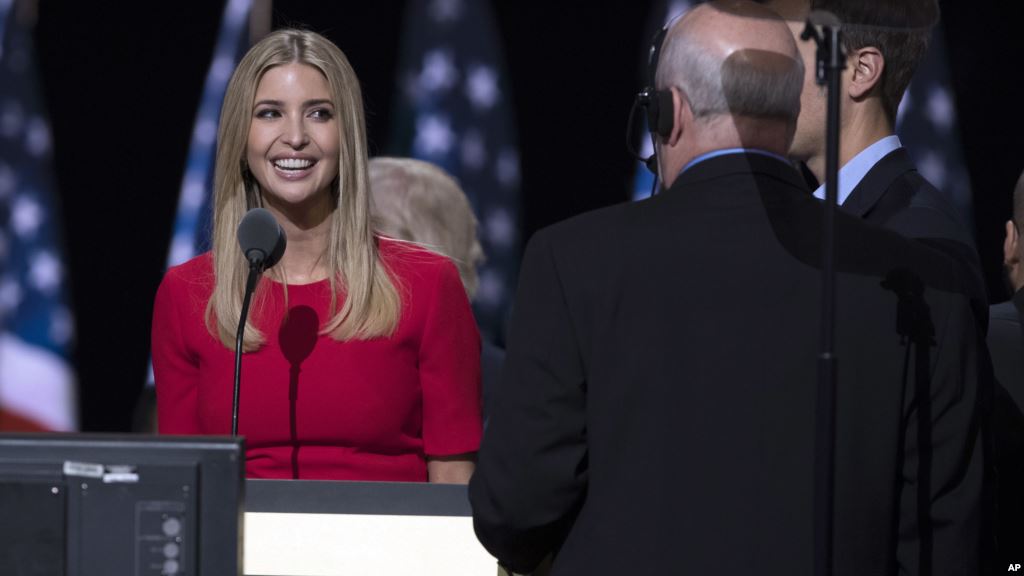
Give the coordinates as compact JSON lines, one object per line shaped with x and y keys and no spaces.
{"x":434,"y":135}
{"x":482,"y":87}
{"x":26,"y":215}
{"x":439,"y":71}
{"x":45,"y":272}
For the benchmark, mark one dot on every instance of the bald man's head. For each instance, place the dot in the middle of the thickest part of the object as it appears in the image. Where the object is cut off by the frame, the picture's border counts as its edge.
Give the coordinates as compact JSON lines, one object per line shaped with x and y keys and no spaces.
{"x":733,"y":58}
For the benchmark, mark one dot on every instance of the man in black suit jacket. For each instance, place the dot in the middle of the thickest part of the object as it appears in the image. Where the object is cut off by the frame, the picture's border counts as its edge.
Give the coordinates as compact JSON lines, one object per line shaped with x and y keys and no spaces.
{"x":1005,"y":335}
{"x":885,"y":41}
{"x":1006,"y":344}
{"x":656,"y":413}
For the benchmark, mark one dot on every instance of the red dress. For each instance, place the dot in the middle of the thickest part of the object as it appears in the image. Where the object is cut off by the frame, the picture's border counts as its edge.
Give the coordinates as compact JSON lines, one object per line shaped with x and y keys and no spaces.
{"x":315,"y":408}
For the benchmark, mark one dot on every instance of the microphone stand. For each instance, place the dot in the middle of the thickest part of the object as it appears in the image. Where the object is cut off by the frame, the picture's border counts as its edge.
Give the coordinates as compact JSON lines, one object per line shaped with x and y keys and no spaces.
{"x":830,"y":61}
{"x":255,"y":269}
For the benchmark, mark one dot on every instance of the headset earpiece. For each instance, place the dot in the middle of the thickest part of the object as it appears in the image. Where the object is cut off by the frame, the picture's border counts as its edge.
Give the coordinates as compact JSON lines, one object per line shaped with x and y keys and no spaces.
{"x":658,"y":108}
{"x":657,"y":104}
{"x":661,"y":115}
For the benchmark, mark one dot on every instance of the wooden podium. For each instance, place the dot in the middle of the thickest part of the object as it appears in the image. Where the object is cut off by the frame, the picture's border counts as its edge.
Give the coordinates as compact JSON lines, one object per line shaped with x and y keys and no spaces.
{"x":313,"y":528}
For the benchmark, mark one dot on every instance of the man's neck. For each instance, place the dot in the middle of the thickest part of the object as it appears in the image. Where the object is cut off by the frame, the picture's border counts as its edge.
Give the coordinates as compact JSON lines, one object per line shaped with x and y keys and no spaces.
{"x":861,"y":131}
{"x":721,"y":133}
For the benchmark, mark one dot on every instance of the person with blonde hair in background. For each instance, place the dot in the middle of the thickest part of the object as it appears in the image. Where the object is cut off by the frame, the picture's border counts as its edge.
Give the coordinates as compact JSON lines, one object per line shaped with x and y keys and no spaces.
{"x":361,"y":354}
{"x":419,"y":202}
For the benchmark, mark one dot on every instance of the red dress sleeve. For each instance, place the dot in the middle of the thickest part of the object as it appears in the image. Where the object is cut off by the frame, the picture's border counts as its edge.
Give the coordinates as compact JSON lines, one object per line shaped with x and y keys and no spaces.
{"x":449,"y":368}
{"x":175,"y":369}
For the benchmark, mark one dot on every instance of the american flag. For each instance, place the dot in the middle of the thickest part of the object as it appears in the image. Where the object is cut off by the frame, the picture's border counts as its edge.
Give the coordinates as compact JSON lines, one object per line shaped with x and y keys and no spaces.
{"x":192,"y":228}
{"x":193,"y":222}
{"x":456,"y":112}
{"x":37,"y":383}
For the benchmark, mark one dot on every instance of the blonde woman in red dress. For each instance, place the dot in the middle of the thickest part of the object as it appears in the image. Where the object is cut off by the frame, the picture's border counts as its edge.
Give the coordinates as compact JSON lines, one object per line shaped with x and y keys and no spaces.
{"x":362,"y":357}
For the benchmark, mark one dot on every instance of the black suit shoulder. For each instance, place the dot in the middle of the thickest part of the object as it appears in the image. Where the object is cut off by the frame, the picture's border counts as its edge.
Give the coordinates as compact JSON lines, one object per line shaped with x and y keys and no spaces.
{"x":662,"y":355}
{"x":894,"y":195}
{"x":861,"y":248}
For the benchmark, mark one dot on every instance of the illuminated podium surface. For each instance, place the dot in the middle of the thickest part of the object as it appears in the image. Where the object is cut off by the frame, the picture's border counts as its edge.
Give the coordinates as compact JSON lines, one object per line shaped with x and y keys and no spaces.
{"x":312,"y":528}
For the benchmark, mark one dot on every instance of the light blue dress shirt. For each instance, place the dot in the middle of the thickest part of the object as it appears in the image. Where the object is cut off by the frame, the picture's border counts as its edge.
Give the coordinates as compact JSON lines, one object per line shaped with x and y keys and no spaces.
{"x":854,"y":171}
{"x":724,"y":151}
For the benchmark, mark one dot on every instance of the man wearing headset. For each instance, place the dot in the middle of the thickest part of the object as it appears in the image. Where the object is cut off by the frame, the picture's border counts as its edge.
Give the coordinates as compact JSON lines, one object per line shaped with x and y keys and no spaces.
{"x":656,"y":413}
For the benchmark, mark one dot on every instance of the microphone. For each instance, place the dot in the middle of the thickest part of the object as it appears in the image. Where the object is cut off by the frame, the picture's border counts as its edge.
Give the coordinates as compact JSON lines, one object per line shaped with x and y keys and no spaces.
{"x":261,"y":238}
{"x":263,"y":242}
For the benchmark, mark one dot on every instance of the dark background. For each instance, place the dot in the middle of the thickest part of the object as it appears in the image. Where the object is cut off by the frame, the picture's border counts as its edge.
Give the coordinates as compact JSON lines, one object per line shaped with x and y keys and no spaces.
{"x":123,"y":81}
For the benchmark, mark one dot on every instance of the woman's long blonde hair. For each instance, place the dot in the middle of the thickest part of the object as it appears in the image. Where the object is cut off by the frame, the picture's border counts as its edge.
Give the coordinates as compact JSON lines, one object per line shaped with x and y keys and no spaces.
{"x":372,"y":305}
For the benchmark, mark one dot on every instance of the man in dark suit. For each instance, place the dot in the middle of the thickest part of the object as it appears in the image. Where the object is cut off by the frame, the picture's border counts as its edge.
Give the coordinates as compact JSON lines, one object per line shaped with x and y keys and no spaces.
{"x":1006,"y":344}
{"x":885,"y":40}
{"x":656,"y":413}
{"x":1005,"y":334}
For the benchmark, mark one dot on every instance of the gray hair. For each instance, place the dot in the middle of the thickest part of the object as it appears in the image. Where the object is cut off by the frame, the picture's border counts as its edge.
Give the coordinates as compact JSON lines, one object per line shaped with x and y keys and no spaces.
{"x":749,"y":82}
{"x":419,"y":202}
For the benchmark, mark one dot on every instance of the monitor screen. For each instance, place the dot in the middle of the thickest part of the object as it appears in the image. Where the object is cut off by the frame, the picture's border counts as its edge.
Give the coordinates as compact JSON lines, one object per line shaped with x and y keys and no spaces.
{"x":87,"y":504}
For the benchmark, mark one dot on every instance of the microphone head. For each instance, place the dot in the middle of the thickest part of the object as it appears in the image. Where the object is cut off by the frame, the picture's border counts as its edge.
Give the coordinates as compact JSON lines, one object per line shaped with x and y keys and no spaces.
{"x":261,"y":238}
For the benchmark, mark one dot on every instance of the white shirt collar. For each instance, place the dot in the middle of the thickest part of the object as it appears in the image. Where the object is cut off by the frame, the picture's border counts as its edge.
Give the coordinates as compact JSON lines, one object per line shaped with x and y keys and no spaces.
{"x":854,"y":171}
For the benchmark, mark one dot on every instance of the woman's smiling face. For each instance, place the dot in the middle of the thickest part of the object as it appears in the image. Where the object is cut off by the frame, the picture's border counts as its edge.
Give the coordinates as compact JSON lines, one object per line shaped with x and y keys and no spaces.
{"x":293,"y":144}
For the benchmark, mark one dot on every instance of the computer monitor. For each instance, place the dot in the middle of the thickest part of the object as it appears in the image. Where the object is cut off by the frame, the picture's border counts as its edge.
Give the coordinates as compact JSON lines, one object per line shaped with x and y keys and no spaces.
{"x":90,"y":504}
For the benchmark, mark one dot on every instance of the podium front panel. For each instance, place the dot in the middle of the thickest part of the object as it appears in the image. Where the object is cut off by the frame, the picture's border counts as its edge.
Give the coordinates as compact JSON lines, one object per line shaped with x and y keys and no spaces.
{"x":313,"y":528}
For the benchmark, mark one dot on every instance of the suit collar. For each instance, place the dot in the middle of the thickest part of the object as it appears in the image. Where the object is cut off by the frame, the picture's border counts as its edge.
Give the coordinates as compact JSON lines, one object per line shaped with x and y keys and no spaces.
{"x":857,"y":167}
{"x":877,"y":181}
{"x":738,"y":163}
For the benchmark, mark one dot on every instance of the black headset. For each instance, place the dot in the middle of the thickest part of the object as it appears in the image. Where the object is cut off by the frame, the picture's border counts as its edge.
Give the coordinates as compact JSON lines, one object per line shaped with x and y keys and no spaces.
{"x":656,"y":103}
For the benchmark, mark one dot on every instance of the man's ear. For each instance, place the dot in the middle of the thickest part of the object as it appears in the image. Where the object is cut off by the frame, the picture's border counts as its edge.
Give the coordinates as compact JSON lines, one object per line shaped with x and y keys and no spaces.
{"x":867,"y":65}
{"x":1011,"y":245}
{"x":682,"y":117}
